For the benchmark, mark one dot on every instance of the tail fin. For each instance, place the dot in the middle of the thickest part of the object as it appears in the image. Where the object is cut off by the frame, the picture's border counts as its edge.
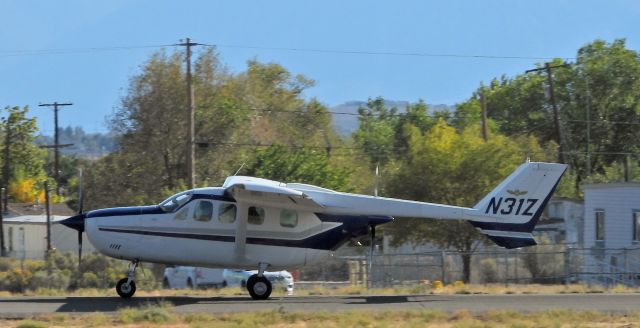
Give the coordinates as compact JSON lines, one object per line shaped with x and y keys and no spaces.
{"x":508,"y":214}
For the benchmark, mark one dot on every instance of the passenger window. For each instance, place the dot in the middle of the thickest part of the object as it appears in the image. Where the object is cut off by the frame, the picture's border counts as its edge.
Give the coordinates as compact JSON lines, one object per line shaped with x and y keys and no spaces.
{"x":227,"y":213}
{"x":256,"y":215}
{"x":204,"y":211}
{"x":182,"y":215}
{"x":288,"y":218}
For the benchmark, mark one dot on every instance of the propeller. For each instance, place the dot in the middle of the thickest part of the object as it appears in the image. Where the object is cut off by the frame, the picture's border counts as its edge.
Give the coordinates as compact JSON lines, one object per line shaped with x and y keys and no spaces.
{"x":80,"y":208}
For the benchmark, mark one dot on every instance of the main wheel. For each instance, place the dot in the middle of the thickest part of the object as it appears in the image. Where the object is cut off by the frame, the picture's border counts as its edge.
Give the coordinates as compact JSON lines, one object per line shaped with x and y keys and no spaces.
{"x":259,"y":287}
{"x":124,"y":289}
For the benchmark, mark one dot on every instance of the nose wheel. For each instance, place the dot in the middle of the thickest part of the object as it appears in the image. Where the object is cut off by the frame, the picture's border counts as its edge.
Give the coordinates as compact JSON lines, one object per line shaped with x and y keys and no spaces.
{"x":259,"y":287}
{"x":126,"y":287}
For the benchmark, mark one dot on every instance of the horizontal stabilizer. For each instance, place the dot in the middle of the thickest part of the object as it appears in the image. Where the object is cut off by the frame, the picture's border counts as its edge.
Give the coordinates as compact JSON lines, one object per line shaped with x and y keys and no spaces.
{"x":510,"y":242}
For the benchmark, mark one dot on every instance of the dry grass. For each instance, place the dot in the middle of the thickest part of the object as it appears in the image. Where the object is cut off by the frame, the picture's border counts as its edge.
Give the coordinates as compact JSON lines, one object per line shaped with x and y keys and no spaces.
{"x":163,"y":316}
{"x":456,"y":288}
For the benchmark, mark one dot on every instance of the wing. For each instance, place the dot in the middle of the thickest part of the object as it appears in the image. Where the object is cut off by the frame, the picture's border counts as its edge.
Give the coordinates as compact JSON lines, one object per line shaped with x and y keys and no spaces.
{"x":269,"y":193}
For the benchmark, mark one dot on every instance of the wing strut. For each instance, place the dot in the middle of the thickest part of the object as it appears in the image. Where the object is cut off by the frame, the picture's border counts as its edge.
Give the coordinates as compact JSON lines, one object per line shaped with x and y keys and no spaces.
{"x":241,"y":231}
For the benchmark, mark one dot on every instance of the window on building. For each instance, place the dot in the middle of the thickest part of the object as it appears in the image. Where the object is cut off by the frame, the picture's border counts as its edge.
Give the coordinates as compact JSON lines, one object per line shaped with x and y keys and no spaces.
{"x":227,"y":213}
{"x":182,"y":214}
{"x":256,"y":215}
{"x":289,"y":218}
{"x":636,"y":226}
{"x":599,"y":225}
{"x":203,"y":211}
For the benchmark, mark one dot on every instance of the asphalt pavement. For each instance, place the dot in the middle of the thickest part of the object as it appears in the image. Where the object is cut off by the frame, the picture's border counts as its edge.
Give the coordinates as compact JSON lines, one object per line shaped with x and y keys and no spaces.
{"x":18,"y":307}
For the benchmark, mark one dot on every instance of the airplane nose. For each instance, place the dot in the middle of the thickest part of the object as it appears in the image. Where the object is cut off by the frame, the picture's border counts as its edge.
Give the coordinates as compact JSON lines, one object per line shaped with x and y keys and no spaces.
{"x":75,"y":222}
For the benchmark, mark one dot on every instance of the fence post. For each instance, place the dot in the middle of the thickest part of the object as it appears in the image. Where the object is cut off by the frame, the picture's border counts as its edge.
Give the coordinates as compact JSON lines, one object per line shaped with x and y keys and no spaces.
{"x":506,"y":269}
{"x":567,"y":265}
{"x":442,"y":268}
{"x":516,"y":266}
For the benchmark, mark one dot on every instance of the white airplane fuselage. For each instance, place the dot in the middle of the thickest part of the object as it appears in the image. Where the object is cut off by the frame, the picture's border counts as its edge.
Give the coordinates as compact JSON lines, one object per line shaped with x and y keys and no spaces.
{"x":182,"y":236}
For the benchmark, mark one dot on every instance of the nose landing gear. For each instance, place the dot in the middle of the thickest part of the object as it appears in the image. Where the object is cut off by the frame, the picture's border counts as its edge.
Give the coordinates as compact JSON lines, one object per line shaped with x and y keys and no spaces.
{"x":258,"y":285}
{"x":126,"y":287}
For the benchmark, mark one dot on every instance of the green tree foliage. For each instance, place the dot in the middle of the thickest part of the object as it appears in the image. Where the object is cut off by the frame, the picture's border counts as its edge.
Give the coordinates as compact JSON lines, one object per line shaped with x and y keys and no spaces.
{"x":260,"y":106}
{"x":27,"y":159}
{"x":450,"y":167}
{"x":304,"y":165}
{"x":602,"y":81}
{"x":384,"y":132}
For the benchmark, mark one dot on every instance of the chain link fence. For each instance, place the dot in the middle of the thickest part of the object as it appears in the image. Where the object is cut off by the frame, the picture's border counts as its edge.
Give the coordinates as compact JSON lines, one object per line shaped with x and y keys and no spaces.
{"x":542,"y":264}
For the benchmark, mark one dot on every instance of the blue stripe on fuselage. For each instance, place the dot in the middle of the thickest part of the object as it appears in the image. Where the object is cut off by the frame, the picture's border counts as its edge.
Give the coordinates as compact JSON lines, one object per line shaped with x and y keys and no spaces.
{"x":150,"y":209}
{"x":352,"y":226}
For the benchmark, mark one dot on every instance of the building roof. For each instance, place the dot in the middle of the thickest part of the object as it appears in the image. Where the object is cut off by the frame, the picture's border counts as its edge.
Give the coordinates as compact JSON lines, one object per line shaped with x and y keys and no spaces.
{"x":26,"y":209}
{"x":566,"y":199}
{"x":33,"y":219}
{"x":611,"y":185}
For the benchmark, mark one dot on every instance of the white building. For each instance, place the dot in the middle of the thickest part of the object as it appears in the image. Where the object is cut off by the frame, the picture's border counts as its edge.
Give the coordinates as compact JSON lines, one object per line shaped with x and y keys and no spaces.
{"x":562,"y":222}
{"x":612,"y":232}
{"x":25,"y":231}
{"x":612,"y":215}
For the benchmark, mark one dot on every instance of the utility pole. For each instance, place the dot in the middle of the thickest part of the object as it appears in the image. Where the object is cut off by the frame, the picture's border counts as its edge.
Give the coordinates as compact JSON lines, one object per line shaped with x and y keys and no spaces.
{"x":191,"y":148}
{"x":3,"y":249}
{"x":6,"y":169}
{"x":556,"y":116}
{"x":483,"y":106}
{"x":588,"y":126}
{"x":48,"y":209}
{"x":56,"y":143}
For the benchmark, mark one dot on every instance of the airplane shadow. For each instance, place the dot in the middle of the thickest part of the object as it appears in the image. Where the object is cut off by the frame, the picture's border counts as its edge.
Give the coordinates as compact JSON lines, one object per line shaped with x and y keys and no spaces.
{"x":112,"y":304}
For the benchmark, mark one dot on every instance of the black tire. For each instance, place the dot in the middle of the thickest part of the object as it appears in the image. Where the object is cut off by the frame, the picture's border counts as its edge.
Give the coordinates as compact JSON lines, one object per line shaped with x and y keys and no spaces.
{"x":165,"y":283}
{"x":259,"y":287}
{"x":125,"y":290}
{"x":189,"y":283}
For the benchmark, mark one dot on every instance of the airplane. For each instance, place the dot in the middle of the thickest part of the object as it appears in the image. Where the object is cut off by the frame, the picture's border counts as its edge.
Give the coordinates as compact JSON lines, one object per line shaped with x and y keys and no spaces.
{"x":258,"y":223}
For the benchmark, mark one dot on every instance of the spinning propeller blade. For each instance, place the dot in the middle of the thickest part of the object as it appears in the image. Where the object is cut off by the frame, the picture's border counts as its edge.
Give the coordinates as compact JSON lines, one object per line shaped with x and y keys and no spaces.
{"x":80,"y":208}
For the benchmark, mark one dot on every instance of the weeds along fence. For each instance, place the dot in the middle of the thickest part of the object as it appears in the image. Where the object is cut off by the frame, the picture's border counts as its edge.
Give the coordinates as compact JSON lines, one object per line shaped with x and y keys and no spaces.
{"x":543,"y":264}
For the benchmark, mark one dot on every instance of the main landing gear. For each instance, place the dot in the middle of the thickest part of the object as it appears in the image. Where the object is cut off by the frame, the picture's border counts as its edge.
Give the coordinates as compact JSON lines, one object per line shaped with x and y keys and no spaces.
{"x":258,"y":285}
{"x":126,"y":287}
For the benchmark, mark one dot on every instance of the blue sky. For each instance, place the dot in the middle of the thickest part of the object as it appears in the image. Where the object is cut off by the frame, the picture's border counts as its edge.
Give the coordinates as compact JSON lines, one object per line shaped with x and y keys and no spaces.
{"x":96,"y":80}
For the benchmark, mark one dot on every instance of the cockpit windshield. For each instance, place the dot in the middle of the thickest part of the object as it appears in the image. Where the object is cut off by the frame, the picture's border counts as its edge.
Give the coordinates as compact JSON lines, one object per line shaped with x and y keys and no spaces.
{"x":175,"y":201}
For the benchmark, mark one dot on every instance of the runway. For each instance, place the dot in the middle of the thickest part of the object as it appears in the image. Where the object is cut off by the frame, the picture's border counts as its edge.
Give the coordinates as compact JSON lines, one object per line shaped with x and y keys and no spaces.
{"x":19,"y":307}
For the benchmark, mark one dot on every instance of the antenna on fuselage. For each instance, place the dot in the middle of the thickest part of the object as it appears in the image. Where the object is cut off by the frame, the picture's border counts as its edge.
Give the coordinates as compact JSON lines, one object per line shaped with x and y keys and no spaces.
{"x":238,"y":171}
{"x":375,"y":188}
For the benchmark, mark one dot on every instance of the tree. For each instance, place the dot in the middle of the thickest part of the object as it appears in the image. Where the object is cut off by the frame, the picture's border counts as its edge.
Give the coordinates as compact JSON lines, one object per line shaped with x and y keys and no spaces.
{"x":234,"y":113}
{"x":25,"y":159}
{"x":304,"y":165}
{"x":450,"y":167}
{"x":599,"y":92}
{"x":377,"y":130}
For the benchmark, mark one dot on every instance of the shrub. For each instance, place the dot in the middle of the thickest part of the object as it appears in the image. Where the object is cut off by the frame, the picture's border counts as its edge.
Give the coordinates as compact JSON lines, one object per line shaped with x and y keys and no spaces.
{"x":56,"y":280}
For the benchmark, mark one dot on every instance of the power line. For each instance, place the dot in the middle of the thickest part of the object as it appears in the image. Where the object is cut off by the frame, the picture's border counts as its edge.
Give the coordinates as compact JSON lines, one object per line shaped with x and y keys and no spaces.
{"x":385,"y":53}
{"x":58,"y":51}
